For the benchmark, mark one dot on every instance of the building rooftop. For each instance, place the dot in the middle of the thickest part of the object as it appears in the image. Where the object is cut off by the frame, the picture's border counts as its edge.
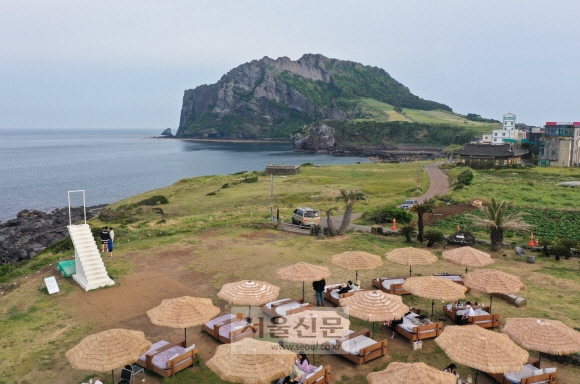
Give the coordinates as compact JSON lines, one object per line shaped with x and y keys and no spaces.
{"x":501,"y":150}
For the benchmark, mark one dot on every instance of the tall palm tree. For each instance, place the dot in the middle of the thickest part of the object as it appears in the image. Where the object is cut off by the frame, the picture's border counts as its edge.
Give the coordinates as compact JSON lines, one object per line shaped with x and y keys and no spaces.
{"x":421,"y":209}
{"x":350,"y":198}
{"x":497,"y":221}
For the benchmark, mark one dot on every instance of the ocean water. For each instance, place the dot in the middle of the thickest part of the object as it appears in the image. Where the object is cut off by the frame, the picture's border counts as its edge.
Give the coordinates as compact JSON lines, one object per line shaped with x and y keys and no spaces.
{"x":39,"y":166}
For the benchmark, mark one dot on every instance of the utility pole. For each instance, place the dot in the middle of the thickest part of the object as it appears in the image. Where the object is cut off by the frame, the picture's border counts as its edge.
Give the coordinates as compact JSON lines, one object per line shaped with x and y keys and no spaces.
{"x":417,"y":185}
{"x":271,"y":197}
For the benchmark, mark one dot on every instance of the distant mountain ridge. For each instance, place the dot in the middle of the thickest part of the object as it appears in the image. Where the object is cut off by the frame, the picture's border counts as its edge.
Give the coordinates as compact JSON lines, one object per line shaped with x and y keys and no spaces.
{"x":270,"y":98}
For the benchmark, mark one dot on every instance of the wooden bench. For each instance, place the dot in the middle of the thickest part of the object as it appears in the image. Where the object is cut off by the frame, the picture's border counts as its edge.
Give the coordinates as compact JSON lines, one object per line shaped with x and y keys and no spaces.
{"x":174,"y":365}
{"x":272,"y":311}
{"x":366,"y":354}
{"x":395,"y":289}
{"x":547,"y":378}
{"x":421,"y":332}
{"x":333,"y":300}
{"x":235,"y":335}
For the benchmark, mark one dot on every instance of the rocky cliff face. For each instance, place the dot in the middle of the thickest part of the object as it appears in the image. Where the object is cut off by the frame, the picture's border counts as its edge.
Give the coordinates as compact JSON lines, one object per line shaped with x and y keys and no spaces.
{"x":32,"y":231}
{"x":273,"y":98}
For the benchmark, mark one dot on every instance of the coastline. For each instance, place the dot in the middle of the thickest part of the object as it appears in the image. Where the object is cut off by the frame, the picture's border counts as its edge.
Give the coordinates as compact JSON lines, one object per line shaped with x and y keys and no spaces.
{"x":253,"y":141}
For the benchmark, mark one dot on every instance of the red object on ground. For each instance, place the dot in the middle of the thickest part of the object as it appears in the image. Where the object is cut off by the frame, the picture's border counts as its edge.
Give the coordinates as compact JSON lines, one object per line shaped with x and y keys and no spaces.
{"x":394,"y":227}
{"x":537,"y":243}
{"x":531,"y":243}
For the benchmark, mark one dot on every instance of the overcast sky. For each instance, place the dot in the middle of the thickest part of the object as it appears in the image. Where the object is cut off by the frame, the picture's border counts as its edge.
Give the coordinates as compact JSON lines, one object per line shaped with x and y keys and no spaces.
{"x":126,"y":63}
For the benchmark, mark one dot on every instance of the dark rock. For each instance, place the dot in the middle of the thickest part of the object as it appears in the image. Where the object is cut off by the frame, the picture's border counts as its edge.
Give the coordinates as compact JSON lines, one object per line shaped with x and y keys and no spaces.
{"x":33,"y":231}
{"x":167,"y":133}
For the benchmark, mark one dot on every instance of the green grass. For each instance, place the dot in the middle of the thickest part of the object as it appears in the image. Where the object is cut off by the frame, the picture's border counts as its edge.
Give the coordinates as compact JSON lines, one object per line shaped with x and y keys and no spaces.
{"x":227,"y":238}
{"x":532,"y":187}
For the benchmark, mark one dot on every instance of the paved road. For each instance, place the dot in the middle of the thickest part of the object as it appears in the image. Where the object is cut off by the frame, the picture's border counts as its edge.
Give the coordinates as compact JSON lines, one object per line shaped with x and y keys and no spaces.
{"x":439,"y":185}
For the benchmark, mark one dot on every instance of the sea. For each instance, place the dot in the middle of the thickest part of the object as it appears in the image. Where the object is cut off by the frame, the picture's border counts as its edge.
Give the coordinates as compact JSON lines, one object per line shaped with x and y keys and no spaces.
{"x":39,"y":166}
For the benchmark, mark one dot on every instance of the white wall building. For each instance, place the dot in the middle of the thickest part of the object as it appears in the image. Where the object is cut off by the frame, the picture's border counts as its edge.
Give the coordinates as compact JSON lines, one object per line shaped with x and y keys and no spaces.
{"x":508,"y":131}
{"x":509,"y":122}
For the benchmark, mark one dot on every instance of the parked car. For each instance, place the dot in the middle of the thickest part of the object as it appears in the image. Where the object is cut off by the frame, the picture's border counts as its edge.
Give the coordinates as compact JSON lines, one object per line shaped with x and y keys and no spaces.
{"x":304,"y":216}
{"x":408,"y":204}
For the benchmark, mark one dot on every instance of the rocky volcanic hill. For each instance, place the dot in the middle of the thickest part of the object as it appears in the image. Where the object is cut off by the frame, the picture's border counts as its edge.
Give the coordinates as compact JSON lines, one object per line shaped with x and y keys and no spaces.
{"x":275,"y":98}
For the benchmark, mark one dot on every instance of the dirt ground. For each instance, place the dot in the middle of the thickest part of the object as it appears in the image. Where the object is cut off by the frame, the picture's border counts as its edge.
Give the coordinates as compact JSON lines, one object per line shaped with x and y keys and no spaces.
{"x":164,"y":271}
{"x":445,"y":211}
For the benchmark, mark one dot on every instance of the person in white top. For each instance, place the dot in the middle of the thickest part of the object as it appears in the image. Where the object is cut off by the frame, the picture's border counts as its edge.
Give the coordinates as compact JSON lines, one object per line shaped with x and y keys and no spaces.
{"x":469,"y":312}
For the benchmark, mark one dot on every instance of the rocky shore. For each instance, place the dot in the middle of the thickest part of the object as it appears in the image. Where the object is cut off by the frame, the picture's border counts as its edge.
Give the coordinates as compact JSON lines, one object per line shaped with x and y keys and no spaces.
{"x":32,"y":231}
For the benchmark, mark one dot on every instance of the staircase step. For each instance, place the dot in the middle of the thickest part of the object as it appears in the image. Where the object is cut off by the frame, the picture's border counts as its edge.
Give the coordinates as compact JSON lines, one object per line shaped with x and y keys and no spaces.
{"x":89,"y":257}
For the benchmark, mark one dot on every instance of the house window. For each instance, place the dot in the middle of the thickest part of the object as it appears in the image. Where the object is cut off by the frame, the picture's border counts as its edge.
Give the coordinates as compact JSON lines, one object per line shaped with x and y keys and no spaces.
{"x":503,"y":134}
{"x":542,"y":143}
{"x":553,"y":152}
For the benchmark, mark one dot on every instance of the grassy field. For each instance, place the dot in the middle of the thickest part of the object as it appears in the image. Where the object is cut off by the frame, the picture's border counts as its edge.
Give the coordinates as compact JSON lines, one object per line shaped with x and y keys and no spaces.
{"x":201,"y":242}
{"x":534,"y":187}
{"x":386,"y":112}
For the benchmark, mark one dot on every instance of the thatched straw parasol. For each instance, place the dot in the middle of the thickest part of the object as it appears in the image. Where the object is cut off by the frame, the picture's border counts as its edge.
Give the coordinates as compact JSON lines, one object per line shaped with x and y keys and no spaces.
{"x":493,"y":281}
{"x":303,"y":272}
{"x":374,"y":306}
{"x":355,"y":260}
{"x":468,"y":257}
{"x":314,"y":327}
{"x":411,"y":256}
{"x":183,"y":312}
{"x":411,"y":373}
{"x":481,"y":349}
{"x":251,"y":361}
{"x":434,"y":288}
{"x":249,"y":292}
{"x":108,"y":350}
{"x":549,"y":336}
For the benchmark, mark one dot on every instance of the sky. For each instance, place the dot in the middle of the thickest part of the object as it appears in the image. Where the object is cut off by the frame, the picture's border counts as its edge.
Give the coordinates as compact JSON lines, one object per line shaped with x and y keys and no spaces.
{"x":126,"y":63}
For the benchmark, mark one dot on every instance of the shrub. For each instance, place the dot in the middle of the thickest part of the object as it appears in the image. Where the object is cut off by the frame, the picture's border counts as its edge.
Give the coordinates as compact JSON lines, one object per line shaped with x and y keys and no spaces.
{"x":226,"y":185}
{"x":307,"y":165}
{"x":249,"y":179}
{"x":434,"y":237}
{"x":465,"y":177}
{"x":387,"y":214}
{"x":154,"y":200}
{"x":409,"y":231}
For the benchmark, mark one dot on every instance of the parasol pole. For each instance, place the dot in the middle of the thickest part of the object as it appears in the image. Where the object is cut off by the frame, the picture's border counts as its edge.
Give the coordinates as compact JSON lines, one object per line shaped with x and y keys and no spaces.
{"x":356,"y":276}
{"x":410,"y":270}
{"x":476,"y":372}
{"x":540,"y":361}
{"x":185,"y":330}
{"x":490,"y":301}
{"x":373,"y":329}
{"x":303,"y":291}
{"x":249,"y":314}
{"x":432,"y":309}
{"x":112,"y":376}
{"x":465,"y":269}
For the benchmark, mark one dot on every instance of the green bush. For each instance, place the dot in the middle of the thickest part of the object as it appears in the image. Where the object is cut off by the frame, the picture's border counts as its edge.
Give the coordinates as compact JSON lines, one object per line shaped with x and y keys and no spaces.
{"x":154,"y":200}
{"x":249,"y":179}
{"x":387,"y":214}
{"x":465,"y":177}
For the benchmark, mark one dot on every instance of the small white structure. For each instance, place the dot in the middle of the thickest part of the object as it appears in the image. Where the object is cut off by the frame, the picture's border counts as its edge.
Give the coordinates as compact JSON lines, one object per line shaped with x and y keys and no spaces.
{"x":508,"y":131}
{"x":90,"y":269}
{"x":509,"y":122}
{"x":486,"y":139}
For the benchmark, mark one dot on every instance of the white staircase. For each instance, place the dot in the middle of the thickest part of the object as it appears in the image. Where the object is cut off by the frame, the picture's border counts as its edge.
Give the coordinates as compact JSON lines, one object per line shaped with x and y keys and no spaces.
{"x":90,"y":269}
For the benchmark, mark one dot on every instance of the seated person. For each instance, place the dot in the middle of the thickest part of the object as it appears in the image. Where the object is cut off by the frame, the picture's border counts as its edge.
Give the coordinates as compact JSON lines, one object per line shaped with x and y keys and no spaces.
{"x":354,"y":286}
{"x":297,"y":371}
{"x":343,"y":289}
{"x":452,"y":368}
{"x":393,"y":324}
{"x":469,"y":312}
